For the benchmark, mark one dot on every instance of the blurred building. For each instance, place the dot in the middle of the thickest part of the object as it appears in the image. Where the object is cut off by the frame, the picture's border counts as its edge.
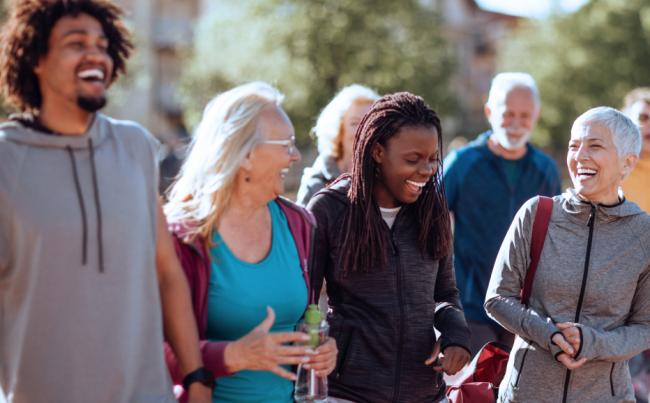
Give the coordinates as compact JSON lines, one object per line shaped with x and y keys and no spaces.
{"x":477,"y":35}
{"x":163,"y":32}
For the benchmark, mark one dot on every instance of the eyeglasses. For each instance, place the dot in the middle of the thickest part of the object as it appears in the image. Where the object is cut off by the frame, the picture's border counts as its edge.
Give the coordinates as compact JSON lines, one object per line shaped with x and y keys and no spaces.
{"x":289,"y":143}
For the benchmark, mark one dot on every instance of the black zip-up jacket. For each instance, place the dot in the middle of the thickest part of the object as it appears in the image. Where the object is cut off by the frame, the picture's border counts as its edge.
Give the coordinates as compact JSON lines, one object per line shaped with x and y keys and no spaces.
{"x":383,"y":320}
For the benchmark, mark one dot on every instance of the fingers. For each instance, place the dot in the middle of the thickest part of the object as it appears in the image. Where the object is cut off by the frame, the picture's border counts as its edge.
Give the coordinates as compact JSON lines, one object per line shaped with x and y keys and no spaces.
{"x":570,"y":363}
{"x":579,"y":363}
{"x":292,"y":351}
{"x":324,"y":359}
{"x":562,"y":343}
{"x":323,"y":366}
{"x":571,"y":334}
{"x":437,"y":366}
{"x":279,"y":371}
{"x":288,"y":337}
{"x":455,"y":358}
{"x":434,"y":354}
{"x":267,"y":323}
{"x":431,"y":360}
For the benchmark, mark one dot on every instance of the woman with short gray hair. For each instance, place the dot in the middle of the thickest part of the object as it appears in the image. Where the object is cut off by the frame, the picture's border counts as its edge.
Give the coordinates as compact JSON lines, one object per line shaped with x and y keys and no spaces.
{"x":589,"y":310}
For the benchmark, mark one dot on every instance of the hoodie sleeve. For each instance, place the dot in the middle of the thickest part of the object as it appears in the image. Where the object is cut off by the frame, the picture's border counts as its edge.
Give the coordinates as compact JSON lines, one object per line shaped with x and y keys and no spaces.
{"x":624,"y":342}
{"x":449,"y":318}
{"x":502,"y":301}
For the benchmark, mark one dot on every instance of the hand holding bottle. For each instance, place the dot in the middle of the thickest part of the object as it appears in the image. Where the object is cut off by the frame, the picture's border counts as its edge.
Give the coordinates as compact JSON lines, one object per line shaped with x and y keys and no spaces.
{"x":324,"y":359}
{"x":261,"y":350}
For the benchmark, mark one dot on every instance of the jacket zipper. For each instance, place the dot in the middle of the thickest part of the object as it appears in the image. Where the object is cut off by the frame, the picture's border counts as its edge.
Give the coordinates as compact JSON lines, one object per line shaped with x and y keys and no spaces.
{"x":611,"y":379}
{"x":400,"y":341}
{"x":585,"y":273}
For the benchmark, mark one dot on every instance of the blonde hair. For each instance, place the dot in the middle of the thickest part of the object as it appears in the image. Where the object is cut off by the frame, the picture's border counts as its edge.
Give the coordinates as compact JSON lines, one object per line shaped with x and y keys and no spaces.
{"x":328,"y":127}
{"x":228,"y":131}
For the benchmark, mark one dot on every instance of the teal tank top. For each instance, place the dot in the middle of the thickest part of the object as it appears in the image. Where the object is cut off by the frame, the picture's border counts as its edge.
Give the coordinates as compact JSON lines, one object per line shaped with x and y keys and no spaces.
{"x":238,"y":295}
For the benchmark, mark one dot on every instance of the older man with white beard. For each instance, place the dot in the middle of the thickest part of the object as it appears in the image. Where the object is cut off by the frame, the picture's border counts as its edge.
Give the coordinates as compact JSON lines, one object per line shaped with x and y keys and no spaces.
{"x":486,"y":182}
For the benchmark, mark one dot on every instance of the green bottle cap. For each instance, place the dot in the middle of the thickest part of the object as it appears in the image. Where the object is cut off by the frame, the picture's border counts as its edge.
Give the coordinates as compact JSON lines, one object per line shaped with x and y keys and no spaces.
{"x":312,"y":316}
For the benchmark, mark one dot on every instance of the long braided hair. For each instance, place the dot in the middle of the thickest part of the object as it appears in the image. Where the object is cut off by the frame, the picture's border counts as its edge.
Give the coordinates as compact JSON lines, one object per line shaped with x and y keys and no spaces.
{"x":364,"y":244}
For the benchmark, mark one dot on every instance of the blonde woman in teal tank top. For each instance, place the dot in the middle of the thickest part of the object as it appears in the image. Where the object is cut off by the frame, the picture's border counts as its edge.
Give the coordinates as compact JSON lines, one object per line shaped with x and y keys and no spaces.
{"x":244,"y":249}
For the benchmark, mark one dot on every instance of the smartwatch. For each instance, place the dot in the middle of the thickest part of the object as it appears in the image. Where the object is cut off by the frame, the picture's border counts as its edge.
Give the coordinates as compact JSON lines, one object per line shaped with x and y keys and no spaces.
{"x":202,"y":375}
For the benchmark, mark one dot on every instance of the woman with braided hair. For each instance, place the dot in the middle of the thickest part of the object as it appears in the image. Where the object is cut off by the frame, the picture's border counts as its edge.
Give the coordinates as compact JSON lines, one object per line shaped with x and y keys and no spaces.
{"x":383,"y":244}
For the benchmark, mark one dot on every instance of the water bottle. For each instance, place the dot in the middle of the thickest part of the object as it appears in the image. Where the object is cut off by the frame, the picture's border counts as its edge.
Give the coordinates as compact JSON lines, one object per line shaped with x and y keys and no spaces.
{"x":309,"y":387}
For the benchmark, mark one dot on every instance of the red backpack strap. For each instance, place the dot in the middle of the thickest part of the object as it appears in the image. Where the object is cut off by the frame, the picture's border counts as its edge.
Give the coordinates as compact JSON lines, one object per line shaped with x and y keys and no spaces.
{"x":540,"y":227}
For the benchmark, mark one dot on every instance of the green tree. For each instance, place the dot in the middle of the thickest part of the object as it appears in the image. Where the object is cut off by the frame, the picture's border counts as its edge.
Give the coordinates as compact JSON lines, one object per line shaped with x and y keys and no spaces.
{"x":586,"y":59}
{"x":310,"y":49}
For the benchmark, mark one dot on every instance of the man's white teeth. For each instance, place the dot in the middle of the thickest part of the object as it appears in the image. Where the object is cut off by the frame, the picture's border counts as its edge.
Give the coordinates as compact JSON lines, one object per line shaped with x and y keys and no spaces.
{"x":284,"y":173}
{"x":418,"y":184}
{"x":91,"y":73}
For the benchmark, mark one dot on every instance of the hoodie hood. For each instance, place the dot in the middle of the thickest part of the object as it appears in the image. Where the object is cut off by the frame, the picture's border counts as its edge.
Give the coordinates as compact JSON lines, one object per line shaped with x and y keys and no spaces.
{"x":19,"y":132}
{"x":339,"y":189}
{"x":580,"y":209}
{"x":324,"y":167}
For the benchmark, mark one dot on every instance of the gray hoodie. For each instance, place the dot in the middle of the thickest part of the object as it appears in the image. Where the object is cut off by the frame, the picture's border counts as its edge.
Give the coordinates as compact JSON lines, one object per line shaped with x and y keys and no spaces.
{"x":594,"y":270}
{"x":314,"y":178}
{"x":80,"y":317}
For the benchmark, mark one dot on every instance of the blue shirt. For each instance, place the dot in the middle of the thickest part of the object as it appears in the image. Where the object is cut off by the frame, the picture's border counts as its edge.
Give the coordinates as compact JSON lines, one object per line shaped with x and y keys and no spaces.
{"x":238,"y":295}
{"x":484,"y":203}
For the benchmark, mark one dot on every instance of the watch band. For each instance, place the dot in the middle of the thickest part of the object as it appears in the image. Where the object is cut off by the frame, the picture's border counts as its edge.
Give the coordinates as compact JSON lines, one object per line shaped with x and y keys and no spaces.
{"x":202,"y":375}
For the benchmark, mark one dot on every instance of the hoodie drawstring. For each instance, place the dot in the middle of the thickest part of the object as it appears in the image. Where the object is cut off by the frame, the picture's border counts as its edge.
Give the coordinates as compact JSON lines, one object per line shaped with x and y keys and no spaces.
{"x":98,"y":208}
{"x":84,"y":223}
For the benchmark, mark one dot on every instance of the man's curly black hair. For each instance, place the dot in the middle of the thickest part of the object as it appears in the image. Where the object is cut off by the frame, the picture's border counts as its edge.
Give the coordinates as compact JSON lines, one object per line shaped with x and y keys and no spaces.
{"x":25,"y":36}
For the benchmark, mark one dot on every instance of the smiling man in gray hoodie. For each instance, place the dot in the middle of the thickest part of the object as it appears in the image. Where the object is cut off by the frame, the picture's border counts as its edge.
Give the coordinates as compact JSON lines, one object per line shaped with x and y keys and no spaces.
{"x":85,"y":258}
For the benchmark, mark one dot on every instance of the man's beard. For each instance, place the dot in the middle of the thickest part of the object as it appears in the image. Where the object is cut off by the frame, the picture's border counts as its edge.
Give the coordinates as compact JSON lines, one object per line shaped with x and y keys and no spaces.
{"x":91,"y":104}
{"x":505,"y":142}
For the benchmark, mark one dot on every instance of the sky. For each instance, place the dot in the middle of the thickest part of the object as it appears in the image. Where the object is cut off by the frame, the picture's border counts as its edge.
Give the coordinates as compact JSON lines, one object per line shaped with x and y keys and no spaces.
{"x":531,"y":8}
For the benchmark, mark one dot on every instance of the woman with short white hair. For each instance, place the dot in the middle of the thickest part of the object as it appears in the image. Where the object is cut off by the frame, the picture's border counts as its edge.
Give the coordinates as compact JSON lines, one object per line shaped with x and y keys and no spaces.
{"x":244,"y":248}
{"x":335,"y":130}
{"x":589,"y":309}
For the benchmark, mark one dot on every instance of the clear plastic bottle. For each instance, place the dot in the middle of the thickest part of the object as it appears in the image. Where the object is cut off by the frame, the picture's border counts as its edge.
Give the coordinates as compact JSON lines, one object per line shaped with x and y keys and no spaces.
{"x":309,"y":387}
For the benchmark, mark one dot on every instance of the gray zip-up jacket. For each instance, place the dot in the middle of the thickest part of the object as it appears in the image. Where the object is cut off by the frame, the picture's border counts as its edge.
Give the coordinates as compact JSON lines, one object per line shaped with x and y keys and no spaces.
{"x":594,"y":270}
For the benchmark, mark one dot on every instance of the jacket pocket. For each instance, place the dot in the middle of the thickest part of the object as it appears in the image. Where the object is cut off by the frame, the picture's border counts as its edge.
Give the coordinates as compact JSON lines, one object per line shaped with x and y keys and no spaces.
{"x":521,"y":367}
{"x":343,"y":340}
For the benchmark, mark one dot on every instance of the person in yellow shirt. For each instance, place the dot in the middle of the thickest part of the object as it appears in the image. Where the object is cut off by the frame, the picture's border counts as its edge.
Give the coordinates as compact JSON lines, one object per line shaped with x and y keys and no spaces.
{"x":636,"y":186}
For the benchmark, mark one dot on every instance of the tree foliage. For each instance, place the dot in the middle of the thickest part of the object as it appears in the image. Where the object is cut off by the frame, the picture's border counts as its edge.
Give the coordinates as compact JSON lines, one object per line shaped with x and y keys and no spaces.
{"x":586,"y":59}
{"x":310,"y":49}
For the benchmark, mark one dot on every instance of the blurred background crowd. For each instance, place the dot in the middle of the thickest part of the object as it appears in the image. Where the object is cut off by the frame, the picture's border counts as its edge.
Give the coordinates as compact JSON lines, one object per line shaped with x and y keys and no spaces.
{"x":582,"y":54}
